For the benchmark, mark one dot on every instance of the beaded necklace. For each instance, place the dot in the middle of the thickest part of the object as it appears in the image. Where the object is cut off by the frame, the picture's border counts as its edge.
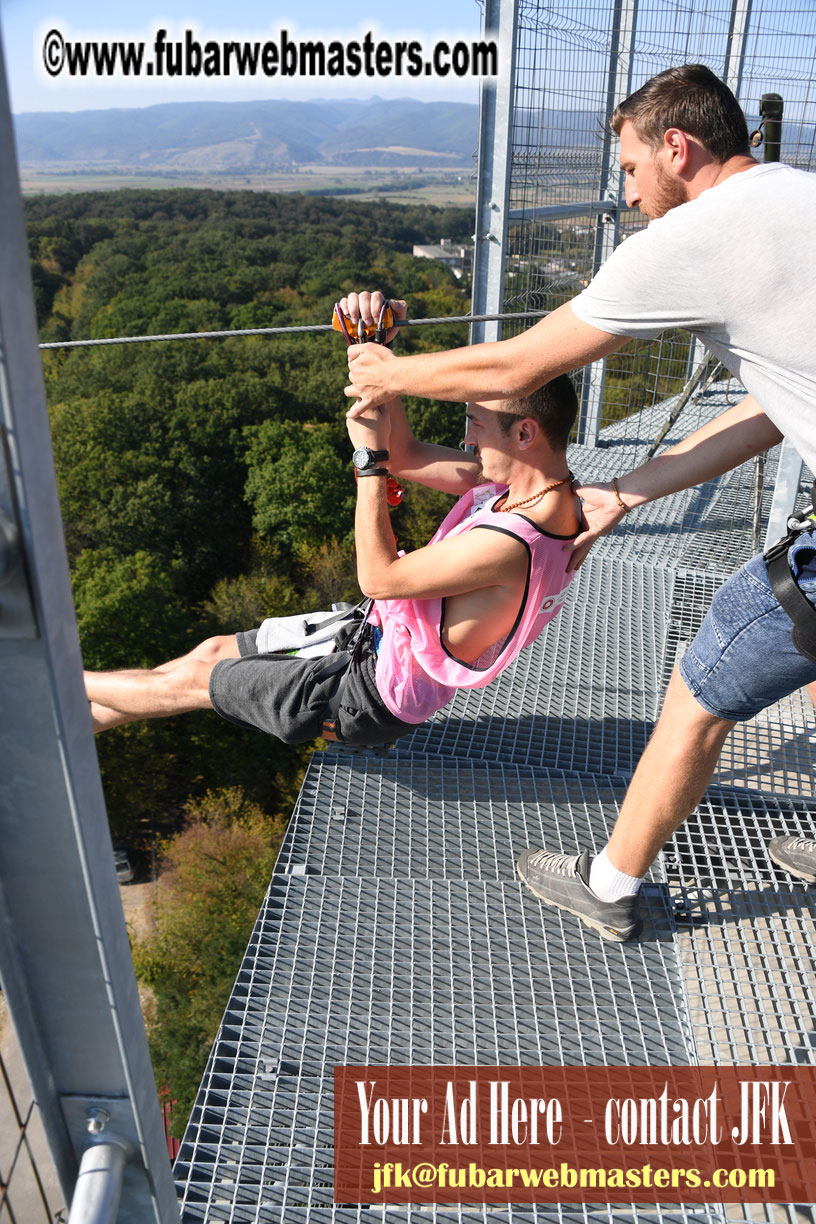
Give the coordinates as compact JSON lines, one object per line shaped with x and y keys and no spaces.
{"x":536,"y":497}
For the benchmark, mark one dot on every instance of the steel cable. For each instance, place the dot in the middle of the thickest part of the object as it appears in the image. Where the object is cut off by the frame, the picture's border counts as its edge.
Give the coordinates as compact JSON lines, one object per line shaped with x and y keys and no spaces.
{"x":291,"y":330}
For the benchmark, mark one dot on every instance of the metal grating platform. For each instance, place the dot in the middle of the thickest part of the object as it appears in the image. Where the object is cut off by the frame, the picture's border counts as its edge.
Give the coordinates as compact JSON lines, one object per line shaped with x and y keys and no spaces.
{"x":776,"y":751}
{"x":424,"y":817}
{"x":585,"y":695}
{"x":748,"y":935}
{"x":358,"y":957}
{"x":723,"y":843}
{"x":445,"y":971}
{"x":708,"y":528}
{"x":397,"y":971}
{"x":749,"y":964}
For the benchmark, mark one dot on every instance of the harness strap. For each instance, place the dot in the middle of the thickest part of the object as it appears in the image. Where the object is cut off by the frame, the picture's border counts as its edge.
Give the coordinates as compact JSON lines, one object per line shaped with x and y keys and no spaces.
{"x":798,"y":607}
{"x":784,"y":586}
{"x":335,"y":664}
{"x":342,"y":613}
{"x":343,"y":664}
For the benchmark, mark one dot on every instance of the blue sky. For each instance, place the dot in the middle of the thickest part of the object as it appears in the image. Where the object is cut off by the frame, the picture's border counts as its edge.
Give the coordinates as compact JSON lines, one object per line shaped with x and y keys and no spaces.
{"x":25,"y":22}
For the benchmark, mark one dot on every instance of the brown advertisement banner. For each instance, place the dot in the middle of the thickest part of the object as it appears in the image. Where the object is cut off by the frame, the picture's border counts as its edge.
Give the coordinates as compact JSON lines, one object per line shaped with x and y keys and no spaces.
{"x":575,"y":1134}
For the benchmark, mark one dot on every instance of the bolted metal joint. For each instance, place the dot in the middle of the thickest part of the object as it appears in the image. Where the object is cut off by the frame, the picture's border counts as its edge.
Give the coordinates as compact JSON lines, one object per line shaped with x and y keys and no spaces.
{"x":98,"y":1119}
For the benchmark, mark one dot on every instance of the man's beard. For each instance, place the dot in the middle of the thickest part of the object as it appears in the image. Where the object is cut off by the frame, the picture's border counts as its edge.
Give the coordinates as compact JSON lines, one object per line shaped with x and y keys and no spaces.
{"x":668,"y":193}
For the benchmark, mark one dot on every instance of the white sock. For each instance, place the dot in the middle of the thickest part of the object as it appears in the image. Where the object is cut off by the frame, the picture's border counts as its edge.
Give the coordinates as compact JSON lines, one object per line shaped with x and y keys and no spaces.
{"x":609,"y":884}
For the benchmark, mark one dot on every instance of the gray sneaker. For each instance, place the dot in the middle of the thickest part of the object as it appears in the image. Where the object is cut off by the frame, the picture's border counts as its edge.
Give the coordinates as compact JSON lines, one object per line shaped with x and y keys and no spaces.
{"x":563,"y":880}
{"x":796,"y":854}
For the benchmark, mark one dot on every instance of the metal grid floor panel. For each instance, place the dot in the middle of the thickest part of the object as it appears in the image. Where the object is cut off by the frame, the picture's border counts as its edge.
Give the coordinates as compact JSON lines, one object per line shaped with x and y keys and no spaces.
{"x":272,"y":1213}
{"x":426,"y":817}
{"x":260,"y":1162}
{"x":372,"y":971}
{"x":412,"y":971}
{"x":724,"y":843}
{"x":749,"y":960}
{"x":706,"y":528}
{"x":749,"y":940}
{"x":659,"y":533}
{"x":775,"y":752}
{"x":584,"y":696}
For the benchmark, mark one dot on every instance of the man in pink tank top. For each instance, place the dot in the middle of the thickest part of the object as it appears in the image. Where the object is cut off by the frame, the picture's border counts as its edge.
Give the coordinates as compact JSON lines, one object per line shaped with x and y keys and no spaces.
{"x":450,"y":615}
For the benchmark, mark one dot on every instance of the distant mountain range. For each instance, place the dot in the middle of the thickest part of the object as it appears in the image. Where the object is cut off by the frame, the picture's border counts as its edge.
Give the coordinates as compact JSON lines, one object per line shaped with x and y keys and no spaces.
{"x":254,"y":137}
{"x":250,"y":136}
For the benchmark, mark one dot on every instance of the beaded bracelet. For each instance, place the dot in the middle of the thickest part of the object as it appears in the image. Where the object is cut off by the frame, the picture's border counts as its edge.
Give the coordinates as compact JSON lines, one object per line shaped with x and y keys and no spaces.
{"x":618,"y":498}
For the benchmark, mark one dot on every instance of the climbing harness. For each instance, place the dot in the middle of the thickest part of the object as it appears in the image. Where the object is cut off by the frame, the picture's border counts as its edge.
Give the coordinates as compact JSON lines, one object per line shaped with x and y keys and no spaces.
{"x":350,"y":642}
{"x":784,"y":586}
{"x":348,"y":620}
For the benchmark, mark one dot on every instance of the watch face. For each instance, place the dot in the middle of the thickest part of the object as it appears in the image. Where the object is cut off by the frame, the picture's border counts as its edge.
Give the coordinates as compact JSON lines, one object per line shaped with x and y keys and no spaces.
{"x":362,"y":457}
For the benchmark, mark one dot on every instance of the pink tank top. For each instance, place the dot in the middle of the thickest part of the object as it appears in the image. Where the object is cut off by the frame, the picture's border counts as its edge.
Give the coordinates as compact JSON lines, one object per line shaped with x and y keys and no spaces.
{"x":416,"y":675}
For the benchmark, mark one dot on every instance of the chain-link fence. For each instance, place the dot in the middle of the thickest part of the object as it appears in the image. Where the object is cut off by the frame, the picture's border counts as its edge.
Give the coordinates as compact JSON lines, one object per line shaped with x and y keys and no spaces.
{"x":573,"y":63}
{"x":28,"y":1184}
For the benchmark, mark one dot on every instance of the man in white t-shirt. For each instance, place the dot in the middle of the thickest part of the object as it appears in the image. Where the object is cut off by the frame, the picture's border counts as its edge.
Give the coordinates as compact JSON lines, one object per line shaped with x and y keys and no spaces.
{"x":730,"y":255}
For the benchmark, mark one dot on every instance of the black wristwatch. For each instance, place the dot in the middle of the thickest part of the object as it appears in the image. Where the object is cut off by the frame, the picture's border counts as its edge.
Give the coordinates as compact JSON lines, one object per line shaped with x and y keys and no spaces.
{"x":364,"y":458}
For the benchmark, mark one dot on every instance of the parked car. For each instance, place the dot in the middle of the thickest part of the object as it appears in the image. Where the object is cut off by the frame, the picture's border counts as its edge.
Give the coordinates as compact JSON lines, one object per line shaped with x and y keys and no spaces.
{"x":123,"y":862}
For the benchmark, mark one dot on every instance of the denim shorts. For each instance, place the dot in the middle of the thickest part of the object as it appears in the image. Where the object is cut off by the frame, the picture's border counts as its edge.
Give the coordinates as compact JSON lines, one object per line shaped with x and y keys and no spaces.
{"x":743,"y":658}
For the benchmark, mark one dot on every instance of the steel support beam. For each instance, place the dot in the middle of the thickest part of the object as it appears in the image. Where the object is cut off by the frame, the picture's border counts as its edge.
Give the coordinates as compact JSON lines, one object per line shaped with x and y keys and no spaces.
{"x":65,"y":962}
{"x":738,"y":25}
{"x":562,"y":212}
{"x":496,"y":105}
{"x":607,"y":234}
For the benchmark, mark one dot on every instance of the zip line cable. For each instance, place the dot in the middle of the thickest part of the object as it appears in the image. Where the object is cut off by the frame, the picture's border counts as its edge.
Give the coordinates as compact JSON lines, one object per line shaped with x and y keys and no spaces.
{"x":292,"y":330}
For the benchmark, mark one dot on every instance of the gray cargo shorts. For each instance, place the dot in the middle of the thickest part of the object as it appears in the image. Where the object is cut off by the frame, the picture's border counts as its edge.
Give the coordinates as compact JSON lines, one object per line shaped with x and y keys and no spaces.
{"x":288,"y":696}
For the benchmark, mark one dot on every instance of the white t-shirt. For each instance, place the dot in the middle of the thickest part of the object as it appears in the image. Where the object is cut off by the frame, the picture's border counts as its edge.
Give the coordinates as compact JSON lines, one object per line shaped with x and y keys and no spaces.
{"x":737,"y":268}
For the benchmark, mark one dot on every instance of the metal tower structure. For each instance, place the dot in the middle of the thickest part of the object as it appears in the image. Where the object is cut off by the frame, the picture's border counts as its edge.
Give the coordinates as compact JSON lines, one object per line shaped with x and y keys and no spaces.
{"x":65,"y":965}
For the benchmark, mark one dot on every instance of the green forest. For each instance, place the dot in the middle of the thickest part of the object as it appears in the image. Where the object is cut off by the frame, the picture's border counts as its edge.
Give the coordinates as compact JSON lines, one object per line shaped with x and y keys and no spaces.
{"x":204,"y":485}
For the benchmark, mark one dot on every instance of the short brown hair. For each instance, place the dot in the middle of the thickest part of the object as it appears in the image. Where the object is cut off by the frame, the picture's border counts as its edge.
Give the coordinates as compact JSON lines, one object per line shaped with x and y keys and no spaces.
{"x":554,"y":407}
{"x":692,"y":99}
